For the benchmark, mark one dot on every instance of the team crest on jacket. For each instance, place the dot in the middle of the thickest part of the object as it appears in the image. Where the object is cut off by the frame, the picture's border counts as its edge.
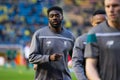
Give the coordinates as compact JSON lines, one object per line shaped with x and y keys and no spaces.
{"x":65,"y":43}
{"x":48,"y":43}
{"x":110,"y":43}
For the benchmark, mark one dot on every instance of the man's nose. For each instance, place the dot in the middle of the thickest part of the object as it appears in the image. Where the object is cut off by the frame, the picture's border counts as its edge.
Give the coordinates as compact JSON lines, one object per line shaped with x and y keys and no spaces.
{"x":54,"y":17}
{"x":111,"y":9}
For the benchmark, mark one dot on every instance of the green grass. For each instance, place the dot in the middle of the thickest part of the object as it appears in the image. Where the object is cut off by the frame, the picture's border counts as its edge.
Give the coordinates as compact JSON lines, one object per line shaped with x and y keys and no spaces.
{"x":73,"y":76}
{"x":19,"y":73}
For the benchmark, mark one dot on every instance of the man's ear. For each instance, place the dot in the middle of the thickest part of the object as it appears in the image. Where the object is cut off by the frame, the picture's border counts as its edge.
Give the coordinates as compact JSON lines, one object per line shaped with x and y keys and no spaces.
{"x":62,"y":17}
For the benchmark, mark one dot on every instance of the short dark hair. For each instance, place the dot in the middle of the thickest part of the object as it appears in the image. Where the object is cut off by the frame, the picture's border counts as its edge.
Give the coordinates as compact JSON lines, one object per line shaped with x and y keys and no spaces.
{"x":100,"y":11}
{"x":55,"y":8}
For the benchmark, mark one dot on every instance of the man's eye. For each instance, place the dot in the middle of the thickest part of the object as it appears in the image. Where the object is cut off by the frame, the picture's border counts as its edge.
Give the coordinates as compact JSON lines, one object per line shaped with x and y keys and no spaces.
{"x":98,"y":23}
{"x":56,"y":15}
{"x":107,"y":6}
{"x":51,"y":16}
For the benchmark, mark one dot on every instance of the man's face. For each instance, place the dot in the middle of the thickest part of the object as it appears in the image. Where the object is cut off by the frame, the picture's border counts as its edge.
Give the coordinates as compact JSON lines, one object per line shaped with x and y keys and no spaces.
{"x":97,"y":19}
{"x":112,"y":8}
{"x":55,"y":18}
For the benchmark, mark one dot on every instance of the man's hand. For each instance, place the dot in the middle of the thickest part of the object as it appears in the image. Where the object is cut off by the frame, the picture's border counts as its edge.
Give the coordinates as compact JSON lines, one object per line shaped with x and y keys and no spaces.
{"x":55,"y":57}
{"x":35,"y":66}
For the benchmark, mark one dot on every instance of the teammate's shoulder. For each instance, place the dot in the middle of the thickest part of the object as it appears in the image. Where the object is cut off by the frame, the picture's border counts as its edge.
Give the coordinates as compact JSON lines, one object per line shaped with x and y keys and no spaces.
{"x":82,"y":37}
{"x":98,"y":28}
{"x":68,"y":32}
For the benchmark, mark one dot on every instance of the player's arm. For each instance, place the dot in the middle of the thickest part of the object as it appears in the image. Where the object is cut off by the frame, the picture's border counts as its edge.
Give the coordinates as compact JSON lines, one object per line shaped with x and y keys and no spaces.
{"x":91,"y":69}
{"x":36,"y":56}
{"x":78,"y":60}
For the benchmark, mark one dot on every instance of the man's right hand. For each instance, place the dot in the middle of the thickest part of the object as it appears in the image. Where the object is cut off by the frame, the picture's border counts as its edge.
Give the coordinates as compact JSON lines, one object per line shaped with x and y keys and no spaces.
{"x":55,"y":57}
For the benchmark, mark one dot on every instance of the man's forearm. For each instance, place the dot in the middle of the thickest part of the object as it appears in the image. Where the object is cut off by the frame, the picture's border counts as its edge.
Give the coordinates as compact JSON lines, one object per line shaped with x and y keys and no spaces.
{"x":92,"y":75}
{"x":91,"y":70}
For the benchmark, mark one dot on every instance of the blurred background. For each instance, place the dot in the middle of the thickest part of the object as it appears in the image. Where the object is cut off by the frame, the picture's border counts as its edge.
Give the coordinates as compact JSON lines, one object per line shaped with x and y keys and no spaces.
{"x":19,"y":19}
